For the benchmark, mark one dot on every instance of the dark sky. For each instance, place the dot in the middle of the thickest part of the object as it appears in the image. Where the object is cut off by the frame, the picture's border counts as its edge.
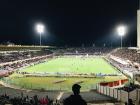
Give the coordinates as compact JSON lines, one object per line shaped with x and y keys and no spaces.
{"x":68,"y":22}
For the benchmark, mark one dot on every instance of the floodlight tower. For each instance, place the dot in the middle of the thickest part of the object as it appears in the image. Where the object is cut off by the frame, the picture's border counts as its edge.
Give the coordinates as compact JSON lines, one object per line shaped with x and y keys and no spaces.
{"x":40,"y":30}
{"x":121,"y":32}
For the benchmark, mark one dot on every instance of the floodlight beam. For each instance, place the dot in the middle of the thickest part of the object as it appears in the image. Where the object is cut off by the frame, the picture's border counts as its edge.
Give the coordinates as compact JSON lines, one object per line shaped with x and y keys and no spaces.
{"x":40,"y":30}
{"x":121,"y":30}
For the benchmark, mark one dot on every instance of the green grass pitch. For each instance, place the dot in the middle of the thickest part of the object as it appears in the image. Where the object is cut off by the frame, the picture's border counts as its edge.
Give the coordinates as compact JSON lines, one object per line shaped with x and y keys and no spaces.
{"x":74,"y":65}
{"x":71,"y":64}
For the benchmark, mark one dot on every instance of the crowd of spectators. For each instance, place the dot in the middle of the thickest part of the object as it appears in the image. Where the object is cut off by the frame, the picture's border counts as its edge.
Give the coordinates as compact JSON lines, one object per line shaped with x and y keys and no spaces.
{"x":128,"y":54}
{"x":20,"y":55}
{"x":15,"y":60}
{"x":86,"y":50}
{"x":123,"y":68}
{"x":130,"y":87}
{"x":26,"y":100}
{"x":132,"y":57}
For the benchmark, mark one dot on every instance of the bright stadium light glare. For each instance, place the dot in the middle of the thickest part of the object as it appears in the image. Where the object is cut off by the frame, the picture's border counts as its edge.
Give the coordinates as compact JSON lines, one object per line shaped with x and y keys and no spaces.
{"x":40,"y":29}
{"x":121,"y":30}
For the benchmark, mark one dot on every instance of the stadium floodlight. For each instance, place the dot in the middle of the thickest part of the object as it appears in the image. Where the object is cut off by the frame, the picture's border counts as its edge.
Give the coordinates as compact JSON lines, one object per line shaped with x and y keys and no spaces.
{"x":40,"y":30}
{"x":121,"y":30}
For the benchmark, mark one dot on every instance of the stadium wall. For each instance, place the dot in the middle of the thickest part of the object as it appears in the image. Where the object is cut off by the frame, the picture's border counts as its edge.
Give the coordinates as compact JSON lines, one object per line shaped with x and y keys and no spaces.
{"x":118,"y":94}
{"x":138,"y":28}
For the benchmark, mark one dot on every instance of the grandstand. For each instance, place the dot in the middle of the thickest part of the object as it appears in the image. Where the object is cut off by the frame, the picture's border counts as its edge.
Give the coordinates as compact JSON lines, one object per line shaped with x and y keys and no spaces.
{"x":20,"y":67}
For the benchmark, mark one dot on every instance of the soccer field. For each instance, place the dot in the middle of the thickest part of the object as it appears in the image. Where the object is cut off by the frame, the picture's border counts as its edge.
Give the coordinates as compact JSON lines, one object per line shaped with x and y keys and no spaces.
{"x":71,"y":64}
{"x":74,"y":65}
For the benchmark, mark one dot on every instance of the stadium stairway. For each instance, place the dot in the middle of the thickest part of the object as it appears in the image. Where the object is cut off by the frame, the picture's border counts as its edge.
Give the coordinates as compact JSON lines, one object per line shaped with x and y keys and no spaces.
{"x":114,"y":50}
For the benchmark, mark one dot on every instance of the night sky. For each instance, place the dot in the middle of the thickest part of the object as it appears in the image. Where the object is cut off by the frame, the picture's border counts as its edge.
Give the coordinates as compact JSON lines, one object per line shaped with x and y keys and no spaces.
{"x":68,"y":22}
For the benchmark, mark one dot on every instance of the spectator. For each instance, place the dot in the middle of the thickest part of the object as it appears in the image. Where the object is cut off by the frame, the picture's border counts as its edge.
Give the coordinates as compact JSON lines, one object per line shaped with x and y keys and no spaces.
{"x":75,"y":99}
{"x":130,"y":102}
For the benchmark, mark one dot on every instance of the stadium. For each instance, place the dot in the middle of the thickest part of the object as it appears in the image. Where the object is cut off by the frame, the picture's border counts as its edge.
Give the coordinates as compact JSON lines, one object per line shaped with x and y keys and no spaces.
{"x":64,"y":70}
{"x":58,"y":53}
{"x":48,"y":69}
